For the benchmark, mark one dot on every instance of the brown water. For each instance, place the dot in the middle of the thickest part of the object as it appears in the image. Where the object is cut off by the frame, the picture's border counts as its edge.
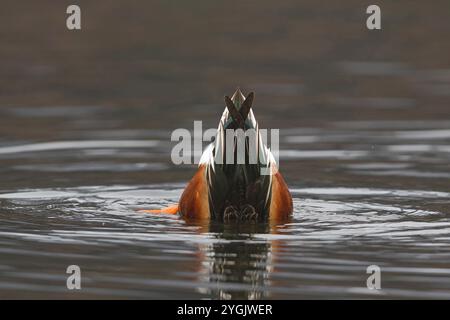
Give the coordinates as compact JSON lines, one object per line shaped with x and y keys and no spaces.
{"x":85,"y":124}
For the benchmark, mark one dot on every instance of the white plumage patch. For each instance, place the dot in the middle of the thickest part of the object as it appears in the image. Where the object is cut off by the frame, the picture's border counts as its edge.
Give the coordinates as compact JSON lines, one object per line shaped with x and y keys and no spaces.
{"x":217,"y":149}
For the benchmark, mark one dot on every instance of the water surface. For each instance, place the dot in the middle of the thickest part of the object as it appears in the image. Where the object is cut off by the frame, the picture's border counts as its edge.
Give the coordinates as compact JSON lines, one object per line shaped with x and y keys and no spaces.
{"x":85,"y":125}
{"x":388,"y":206}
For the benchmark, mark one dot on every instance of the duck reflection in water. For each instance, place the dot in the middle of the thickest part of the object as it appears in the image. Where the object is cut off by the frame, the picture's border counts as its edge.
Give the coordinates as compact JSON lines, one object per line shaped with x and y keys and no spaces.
{"x":238,"y":264}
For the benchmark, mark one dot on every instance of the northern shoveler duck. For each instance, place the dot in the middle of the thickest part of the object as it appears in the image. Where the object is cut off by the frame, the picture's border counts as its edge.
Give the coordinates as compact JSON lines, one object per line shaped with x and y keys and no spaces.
{"x":225,"y":191}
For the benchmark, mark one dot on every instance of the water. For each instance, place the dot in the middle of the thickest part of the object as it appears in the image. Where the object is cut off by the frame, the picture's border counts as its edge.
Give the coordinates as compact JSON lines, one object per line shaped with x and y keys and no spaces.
{"x":397,"y":218}
{"x":85,"y":126}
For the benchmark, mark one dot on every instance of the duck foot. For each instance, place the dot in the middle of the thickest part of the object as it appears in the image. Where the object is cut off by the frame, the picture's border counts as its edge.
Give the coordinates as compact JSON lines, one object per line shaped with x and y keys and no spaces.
{"x":243,"y":213}
{"x":248,"y":213}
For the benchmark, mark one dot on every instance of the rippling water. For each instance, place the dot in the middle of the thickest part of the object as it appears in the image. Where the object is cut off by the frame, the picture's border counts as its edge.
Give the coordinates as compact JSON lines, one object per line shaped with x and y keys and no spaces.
{"x":378,"y":196}
{"x":85,"y":125}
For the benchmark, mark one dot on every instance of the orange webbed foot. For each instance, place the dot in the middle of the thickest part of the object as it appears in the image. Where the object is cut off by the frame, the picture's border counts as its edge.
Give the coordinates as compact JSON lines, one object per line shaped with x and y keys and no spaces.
{"x":168,"y":210}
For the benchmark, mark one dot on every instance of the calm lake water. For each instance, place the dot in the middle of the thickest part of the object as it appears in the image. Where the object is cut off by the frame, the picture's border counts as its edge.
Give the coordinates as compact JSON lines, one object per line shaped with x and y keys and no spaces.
{"x":397,"y":217}
{"x":85,"y":125}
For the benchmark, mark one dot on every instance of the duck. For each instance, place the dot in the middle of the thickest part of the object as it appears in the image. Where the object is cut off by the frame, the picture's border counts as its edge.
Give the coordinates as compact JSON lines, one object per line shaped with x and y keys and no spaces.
{"x":234,"y":183}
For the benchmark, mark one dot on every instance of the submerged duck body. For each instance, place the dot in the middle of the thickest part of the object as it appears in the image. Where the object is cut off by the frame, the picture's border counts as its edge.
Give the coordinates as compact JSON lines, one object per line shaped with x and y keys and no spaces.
{"x":238,"y":191}
{"x":235,"y":182}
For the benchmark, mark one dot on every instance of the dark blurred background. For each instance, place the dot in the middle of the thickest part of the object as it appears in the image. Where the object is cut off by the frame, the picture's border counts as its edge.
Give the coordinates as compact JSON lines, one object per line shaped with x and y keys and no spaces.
{"x":307,"y":62}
